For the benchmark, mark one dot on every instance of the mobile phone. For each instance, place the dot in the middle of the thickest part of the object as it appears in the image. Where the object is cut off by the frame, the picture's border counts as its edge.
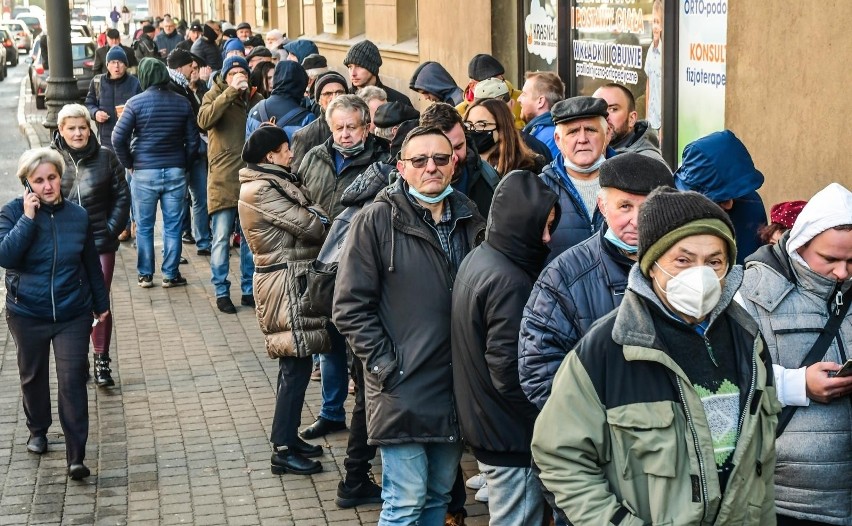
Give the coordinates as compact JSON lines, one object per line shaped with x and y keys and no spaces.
{"x":846,"y":370}
{"x":27,"y":184}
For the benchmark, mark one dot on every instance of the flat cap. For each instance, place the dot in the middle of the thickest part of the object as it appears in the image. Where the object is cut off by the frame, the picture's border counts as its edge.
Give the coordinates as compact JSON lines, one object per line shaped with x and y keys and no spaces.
{"x":484,"y":66}
{"x":314,"y":61}
{"x":393,"y":113}
{"x":244,"y":25}
{"x":578,"y":108}
{"x":491,"y":89}
{"x":634,"y":173}
{"x":259,"y":51}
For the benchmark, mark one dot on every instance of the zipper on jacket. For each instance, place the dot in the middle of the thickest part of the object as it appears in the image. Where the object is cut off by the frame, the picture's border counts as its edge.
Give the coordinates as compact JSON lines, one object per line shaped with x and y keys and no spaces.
{"x":709,"y":348}
{"x":53,"y":265}
{"x":77,"y":181}
{"x":701,"y":470}
{"x":750,"y":394}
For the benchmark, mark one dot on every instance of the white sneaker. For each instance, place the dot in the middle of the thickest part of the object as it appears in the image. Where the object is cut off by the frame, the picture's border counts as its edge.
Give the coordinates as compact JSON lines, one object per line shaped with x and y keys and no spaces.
{"x":476,"y":481}
{"x":482,"y":494}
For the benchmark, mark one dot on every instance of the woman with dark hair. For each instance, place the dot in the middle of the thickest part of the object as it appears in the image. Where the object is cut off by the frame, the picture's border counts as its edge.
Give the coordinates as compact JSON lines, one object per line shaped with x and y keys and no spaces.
{"x":54,"y":288}
{"x":261,"y":78}
{"x":284,"y":230}
{"x":491,"y":127}
{"x":94,"y":179}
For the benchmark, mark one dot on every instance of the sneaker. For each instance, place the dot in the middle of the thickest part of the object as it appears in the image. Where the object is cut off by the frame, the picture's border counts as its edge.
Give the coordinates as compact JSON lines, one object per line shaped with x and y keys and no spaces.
{"x":367,"y":492}
{"x":146,"y":281}
{"x":187,"y":238}
{"x":247,"y":300}
{"x":203,"y":252}
{"x":177,"y":281}
{"x":235,"y":240}
{"x":476,"y":481}
{"x":224,"y":304}
{"x":482,"y":494}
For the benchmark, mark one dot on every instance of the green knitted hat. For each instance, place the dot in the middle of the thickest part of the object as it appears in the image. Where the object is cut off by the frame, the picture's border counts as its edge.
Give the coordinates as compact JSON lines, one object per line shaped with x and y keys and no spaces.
{"x":151,"y":72}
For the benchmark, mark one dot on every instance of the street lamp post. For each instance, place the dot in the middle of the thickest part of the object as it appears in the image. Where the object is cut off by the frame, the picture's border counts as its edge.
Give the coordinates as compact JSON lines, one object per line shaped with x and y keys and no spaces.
{"x":61,"y":84}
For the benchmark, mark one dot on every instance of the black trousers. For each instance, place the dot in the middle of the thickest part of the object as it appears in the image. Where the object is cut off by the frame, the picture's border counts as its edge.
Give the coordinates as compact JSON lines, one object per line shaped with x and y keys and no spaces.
{"x":784,"y":520}
{"x":70,"y":340}
{"x":359,"y":454}
{"x":293,"y":377}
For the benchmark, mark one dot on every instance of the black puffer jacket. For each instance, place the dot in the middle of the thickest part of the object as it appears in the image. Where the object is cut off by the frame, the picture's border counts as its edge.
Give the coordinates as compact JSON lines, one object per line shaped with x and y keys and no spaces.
{"x":94,"y":179}
{"x":392,"y":303}
{"x":576,"y":289}
{"x":492,"y":286}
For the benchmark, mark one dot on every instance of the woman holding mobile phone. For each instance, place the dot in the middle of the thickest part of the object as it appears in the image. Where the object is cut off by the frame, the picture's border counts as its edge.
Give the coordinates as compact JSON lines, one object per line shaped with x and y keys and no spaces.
{"x":53,"y":290}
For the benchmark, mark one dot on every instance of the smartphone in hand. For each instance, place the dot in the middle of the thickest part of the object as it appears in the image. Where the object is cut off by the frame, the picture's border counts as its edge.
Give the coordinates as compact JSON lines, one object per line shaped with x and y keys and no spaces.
{"x":27,"y":185}
{"x":846,"y":370}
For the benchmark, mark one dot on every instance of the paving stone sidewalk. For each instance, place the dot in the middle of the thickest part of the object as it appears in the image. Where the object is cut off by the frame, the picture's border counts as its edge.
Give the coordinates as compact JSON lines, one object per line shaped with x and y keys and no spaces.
{"x":183,"y":437}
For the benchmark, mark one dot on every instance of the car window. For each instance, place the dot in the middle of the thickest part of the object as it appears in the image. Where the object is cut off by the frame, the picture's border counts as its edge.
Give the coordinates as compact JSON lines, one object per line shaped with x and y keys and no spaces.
{"x":81,"y":51}
{"x":30,"y":20}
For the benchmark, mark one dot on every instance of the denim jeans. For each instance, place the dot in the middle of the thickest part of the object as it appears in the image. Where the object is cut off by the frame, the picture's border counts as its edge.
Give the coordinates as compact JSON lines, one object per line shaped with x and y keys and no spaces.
{"x":222,"y":222}
{"x":200,"y":219}
{"x":166,"y":186}
{"x":514,"y":495}
{"x":335,"y":377}
{"x":416,"y":483}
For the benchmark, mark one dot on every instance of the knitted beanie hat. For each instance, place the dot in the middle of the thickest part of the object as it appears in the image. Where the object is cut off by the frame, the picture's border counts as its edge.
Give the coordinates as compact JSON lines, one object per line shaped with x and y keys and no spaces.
{"x":179,"y":58}
{"x":668,"y":216}
{"x":262,"y":141}
{"x":366,"y":55}
{"x":116,"y":53}
{"x":325,"y":79}
{"x":234,"y":62}
{"x":233,"y":44}
{"x":152,"y":72}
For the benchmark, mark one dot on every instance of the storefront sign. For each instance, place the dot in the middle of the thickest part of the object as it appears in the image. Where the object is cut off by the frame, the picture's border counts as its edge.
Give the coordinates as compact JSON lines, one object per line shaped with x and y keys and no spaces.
{"x":541,"y":32}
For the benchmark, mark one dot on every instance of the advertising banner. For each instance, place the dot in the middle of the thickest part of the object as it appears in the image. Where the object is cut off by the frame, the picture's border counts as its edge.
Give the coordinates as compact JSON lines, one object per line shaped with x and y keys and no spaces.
{"x":541,"y":35}
{"x":702,"y":54}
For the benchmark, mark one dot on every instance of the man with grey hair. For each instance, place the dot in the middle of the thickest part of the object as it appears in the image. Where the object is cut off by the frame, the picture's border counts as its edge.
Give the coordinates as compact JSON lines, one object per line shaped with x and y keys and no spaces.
{"x":327,"y":170}
{"x":374,"y":96}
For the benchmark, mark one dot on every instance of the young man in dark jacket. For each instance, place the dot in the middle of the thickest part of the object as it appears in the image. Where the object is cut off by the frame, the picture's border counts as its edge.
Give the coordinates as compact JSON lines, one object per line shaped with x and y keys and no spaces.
{"x":364,"y":60}
{"x":109,"y":92}
{"x":405,"y":249}
{"x":145,"y":47}
{"x":206,"y":48}
{"x":490,"y":291}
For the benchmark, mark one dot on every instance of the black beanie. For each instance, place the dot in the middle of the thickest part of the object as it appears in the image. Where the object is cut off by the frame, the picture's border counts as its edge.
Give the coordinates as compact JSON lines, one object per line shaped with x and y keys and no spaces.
{"x":148,"y":28}
{"x":327,"y":78}
{"x":668,"y":215}
{"x":262,"y":141}
{"x":366,"y":55}
{"x":209,"y":33}
{"x":634,"y":173}
{"x":179,"y":58}
{"x":484,"y":66}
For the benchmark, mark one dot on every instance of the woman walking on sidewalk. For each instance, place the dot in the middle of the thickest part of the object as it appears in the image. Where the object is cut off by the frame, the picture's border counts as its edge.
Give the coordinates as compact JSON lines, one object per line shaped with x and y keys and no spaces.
{"x":94,"y":179}
{"x":54,"y":286}
{"x":285,"y":231}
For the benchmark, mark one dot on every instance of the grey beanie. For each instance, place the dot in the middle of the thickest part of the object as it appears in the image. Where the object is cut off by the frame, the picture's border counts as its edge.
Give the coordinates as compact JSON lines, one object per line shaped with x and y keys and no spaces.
{"x":366,"y":55}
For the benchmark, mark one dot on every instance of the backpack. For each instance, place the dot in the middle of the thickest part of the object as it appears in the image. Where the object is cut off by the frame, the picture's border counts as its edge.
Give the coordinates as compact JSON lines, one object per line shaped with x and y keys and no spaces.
{"x":290,"y":122}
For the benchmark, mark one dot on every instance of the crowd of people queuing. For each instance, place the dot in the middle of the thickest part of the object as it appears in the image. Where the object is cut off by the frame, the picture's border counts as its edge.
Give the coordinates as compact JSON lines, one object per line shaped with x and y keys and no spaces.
{"x":511,"y":271}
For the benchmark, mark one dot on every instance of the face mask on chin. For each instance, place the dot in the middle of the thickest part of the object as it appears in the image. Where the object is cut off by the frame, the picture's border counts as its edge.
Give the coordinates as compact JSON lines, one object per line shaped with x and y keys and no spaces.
{"x":350,"y":151}
{"x":694,"y":292}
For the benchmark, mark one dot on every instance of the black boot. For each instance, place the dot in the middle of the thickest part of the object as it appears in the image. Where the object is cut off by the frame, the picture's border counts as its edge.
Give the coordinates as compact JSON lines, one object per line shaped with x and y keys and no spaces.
{"x":102,"y":371}
{"x":286,"y":460}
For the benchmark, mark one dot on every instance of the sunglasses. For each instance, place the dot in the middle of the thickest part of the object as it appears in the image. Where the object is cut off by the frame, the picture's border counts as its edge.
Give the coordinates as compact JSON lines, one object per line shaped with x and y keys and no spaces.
{"x":441,"y":159}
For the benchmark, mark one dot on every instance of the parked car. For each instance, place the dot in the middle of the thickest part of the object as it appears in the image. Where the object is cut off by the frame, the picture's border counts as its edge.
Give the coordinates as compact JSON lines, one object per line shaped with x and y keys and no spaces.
{"x":21,"y":33}
{"x":33,"y":22}
{"x":10,"y":49}
{"x":81,"y":27}
{"x":4,"y":71}
{"x":83,"y":57}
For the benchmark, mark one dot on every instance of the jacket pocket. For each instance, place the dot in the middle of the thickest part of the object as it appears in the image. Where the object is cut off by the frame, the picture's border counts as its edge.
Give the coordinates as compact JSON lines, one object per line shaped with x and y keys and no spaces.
{"x":13,"y":282}
{"x":214,"y":161}
{"x":644,"y":439}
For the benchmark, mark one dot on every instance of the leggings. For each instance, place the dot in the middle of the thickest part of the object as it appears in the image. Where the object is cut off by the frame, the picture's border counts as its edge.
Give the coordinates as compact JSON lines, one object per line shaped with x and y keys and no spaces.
{"x":102,"y":333}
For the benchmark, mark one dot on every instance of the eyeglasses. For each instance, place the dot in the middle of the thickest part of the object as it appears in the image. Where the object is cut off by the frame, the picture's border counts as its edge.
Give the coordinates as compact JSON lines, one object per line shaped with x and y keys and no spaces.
{"x":332,"y":93}
{"x":440,"y":159}
{"x":480,"y":126}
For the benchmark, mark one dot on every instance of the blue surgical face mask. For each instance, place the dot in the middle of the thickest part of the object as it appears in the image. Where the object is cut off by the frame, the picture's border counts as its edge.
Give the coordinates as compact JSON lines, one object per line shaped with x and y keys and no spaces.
{"x":610,"y":236}
{"x":591,"y":169}
{"x":431,"y":200}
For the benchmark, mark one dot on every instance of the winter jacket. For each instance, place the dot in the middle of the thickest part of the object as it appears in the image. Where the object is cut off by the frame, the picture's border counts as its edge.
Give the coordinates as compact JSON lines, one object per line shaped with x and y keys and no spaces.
{"x":100,"y":65}
{"x":575,"y":225}
{"x":491,"y":288}
{"x":156,"y":130}
{"x":580,"y":286}
{"x":432,"y":78}
{"x":285,"y":101}
{"x":477,"y":180}
{"x":95,"y":180}
{"x":624,"y":438}
{"x":209,"y":53}
{"x":393,"y":95}
{"x":324,"y":184}
{"x":168,"y":42}
{"x":643,"y":140}
{"x":53,"y":272}
{"x":542,"y":128}
{"x":720,"y":167}
{"x":393,"y":259}
{"x":285,"y":232}
{"x":813,"y":478}
{"x":104,"y":95}
{"x":312,"y":135}
{"x":145,"y":47}
{"x":223,"y":116}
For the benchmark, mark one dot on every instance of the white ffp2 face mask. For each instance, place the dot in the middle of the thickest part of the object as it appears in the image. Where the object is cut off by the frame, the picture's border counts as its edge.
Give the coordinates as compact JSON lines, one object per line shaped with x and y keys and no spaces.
{"x":694,"y":292}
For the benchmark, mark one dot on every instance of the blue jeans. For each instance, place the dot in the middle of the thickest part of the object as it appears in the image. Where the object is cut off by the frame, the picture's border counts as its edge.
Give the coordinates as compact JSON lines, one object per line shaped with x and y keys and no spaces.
{"x":222,"y":222}
{"x":514,"y":495}
{"x":198,"y":196}
{"x":335,"y":377}
{"x":416,"y":483}
{"x":166,"y":186}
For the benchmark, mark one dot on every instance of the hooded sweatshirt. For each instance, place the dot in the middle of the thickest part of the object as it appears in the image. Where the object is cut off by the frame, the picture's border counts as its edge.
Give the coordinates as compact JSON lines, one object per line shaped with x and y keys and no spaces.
{"x":301,"y":48}
{"x":491,"y":288}
{"x":285,"y":102}
{"x":720,"y":167}
{"x":431,"y":77}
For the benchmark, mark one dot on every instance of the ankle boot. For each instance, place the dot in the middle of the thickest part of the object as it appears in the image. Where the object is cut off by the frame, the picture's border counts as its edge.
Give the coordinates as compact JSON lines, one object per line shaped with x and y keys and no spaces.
{"x":102,"y":371}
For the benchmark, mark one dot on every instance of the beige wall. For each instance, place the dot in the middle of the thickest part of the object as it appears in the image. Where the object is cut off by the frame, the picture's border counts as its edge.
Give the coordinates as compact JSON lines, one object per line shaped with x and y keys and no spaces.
{"x":788,"y":77}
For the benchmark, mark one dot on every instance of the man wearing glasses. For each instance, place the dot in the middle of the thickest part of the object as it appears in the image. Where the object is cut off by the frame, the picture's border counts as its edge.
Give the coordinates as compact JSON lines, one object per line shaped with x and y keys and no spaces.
{"x":169,"y":38}
{"x":327,"y":87}
{"x":392,"y":302}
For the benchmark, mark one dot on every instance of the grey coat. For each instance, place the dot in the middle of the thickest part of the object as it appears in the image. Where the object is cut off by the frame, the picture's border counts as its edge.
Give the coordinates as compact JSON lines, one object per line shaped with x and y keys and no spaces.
{"x":813,"y":477}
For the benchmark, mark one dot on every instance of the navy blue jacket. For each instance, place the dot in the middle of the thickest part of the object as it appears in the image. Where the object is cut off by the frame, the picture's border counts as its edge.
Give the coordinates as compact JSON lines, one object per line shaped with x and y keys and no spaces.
{"x":156,"y":130}
{"x":574,"y":225}
{"x":576,"y":289}
{"x":288,"y":92}
{"x":52,"y":268}
{"x":104,"y":95}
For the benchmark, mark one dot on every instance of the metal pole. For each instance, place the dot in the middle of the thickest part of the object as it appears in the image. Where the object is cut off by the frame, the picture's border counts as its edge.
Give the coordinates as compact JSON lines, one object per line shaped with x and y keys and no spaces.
{"x":61,"y":84}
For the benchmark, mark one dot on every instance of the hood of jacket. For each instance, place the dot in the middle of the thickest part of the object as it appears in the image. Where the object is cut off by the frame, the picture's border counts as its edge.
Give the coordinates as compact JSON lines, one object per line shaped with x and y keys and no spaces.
{"x":719,"y":167}
{"x":643,"y":138}
{"x":431,"y":77}
{"x":289,"y":80}
{"x":368,"y":184}
{"x":828,"y":208}
{"x":152,"y":72}
{"x":518,"y":218}
{"x":301,"y":48}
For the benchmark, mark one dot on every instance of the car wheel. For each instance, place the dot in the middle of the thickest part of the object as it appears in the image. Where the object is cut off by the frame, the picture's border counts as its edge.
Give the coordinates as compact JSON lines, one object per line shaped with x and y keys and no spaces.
{"x":40,"y":102}
{"x":15,"y":58}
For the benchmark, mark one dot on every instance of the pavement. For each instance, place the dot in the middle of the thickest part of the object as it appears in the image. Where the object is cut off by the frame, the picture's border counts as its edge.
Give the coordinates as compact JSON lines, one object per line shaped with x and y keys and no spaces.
{"x":183,"y":436}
